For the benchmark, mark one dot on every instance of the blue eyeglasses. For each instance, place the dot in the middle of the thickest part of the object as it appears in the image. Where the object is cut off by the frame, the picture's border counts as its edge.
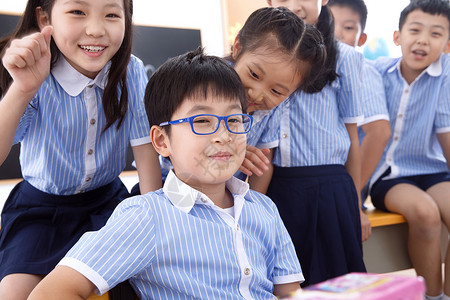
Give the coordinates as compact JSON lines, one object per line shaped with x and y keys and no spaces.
{"x":205,"y":124}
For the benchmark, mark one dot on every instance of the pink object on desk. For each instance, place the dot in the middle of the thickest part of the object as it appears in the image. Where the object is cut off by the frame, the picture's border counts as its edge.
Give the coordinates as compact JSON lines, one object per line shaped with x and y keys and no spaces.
{"x":365,"y":286}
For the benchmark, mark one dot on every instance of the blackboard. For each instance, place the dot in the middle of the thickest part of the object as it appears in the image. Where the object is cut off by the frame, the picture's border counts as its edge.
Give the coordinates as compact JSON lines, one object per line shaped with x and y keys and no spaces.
{"x":153,"y":45}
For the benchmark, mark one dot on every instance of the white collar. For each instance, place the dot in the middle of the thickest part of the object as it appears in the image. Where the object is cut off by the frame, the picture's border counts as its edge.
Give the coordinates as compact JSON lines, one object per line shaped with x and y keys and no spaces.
{"x":184,"y":197}
{"x":435,"y":69}
{"x":72,"y":81}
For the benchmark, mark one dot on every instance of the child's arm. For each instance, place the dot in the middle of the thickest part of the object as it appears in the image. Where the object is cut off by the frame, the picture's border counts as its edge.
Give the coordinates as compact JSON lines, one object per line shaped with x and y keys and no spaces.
{"x":261,"y":183}
{"x":28,"y":62}
{"x":353,"y":166}
{"x":372,"y":147}
{"x":255,"y":161}
{"x":63,"y":283}
{"x":444,"y":140}
{"x":283,"y":290}
{"x":149,"y":170}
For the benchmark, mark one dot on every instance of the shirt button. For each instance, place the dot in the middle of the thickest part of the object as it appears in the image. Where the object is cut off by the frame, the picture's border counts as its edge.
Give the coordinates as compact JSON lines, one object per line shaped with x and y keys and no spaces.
{"x":400,"y":116}
{"x":88,"y":179}
{"x":203,"y":200}
{"x":389,"y":159}
{"x":237,"y":227}
{"x":406,"y":91}
{"x":90,"y":86}
{"x":284,"y":135}
{"x":247,"y":271}
{"x":90,"y":151}
{"x":395,"y":138}
{"x":92,"y":121}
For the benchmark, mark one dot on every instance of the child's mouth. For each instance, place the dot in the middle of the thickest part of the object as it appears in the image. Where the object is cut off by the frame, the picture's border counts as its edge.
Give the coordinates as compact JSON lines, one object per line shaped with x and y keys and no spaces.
{"x":93,"y":49}
{"x":221,"y":156}
{"x":419,"y":53}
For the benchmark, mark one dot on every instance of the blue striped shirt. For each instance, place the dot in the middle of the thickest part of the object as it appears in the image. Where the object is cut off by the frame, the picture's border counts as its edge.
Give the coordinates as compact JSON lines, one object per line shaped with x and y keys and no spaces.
{"x":373,"y":97}
{"x":417,"y":112}
{"x":63,"y":149}
{"x":176,"y":244}
{"x":312,"y":126}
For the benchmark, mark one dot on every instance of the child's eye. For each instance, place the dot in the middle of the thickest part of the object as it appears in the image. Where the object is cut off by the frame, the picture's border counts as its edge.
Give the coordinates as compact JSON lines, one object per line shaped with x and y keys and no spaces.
{"x":348,"y":28}
{"x":201,"y":120}
{"x":112,"y":16}
{"x":77,"y":12}
{"x":254,"y":74}
{"x":276,"y":92}
{"x":436,"y":34}
{"x":235,"y":120}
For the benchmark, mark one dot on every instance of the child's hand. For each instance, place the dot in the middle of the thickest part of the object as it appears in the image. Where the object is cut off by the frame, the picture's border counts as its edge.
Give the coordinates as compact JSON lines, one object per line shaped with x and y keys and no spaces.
{"x":28,"y":60}
{"x":255,"y":161}
{"x":366,"y":228}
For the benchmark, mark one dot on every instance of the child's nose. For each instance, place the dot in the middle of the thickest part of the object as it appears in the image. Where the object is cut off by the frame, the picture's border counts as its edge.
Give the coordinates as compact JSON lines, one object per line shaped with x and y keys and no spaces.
{"x":255,"y":95}
{"x":222,"y":134}
{"x":95,"y":28}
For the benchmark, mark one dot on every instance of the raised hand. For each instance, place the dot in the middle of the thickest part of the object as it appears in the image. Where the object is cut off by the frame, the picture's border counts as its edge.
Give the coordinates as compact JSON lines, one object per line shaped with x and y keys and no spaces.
{"x":28,"y":60}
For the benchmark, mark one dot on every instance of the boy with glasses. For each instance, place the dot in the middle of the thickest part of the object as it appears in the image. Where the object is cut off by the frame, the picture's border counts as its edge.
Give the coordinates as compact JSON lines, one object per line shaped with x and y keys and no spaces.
{"x":204,"y":234}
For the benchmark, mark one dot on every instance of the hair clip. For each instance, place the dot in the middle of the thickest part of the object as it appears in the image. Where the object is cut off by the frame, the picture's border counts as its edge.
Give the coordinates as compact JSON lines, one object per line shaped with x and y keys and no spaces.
{"x":280,"y":11}
{"x":321,"y":45}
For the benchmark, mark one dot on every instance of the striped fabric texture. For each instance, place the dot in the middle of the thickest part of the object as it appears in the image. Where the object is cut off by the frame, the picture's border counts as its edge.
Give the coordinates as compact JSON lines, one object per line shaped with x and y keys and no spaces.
{"x":63,"y":148}
{"x":312,"y":129}
{"x":417,"y":112}
{"x":373,"y":99}
{"x":176,"y":244}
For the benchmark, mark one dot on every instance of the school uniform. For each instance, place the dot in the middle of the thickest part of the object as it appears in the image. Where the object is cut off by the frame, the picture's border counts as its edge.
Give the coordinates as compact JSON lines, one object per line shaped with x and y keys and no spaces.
{"x":373,"y":104}
{"x":418,"y":112}
{"x":373,"y":101}
{"x":69,"y":165}
{"x":175,"y":243}
{"x":314,"y":193}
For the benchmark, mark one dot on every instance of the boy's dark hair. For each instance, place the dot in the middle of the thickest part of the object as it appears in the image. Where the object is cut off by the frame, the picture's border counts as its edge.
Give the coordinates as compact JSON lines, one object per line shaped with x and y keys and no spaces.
{"x":115,"y":108}
{"x":432,"y":7}
{"x":357,"y":6}
{"x":191,"y":75}
{"x":279,"y":29}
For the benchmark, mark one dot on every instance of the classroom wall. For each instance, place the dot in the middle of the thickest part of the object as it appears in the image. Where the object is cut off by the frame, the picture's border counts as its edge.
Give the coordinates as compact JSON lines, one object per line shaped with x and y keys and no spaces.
{"x":205,"y":15}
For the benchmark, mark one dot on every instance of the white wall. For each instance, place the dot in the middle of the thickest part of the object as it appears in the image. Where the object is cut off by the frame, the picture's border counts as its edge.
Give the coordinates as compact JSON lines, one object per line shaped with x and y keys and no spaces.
{"x":382,"y":21}
{"x":205,"y":15}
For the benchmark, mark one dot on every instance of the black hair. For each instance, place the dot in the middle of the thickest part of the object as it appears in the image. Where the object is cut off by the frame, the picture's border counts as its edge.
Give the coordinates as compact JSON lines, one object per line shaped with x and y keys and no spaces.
{"x":325,"y":24}
{"x":114,"y":108}
{"x":357,"y":6}
{"x":279,"y":29}
{"x":432,"y":7}
{"x":191,"y":75}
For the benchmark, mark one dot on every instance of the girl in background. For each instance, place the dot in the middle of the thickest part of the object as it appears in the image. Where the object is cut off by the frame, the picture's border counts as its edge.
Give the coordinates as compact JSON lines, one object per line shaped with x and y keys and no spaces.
{"x":72,"y":95}
{"x":317,"y":159}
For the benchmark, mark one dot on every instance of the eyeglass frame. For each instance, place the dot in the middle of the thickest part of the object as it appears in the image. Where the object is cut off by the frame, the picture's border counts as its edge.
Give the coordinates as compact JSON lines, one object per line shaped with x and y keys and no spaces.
{"x":220,"y":118}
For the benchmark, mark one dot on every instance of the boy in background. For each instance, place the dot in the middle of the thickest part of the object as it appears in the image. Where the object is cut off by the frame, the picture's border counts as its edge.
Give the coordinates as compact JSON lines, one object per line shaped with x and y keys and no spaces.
{"x":374,"y":132}
{"x":413,"y":177}
{"x":204,"y":234}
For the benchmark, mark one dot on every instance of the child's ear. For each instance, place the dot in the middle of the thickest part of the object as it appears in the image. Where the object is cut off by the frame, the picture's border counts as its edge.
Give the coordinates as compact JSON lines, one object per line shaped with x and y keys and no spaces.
{"x":269,"y":2}
{"x":160,"y":140}
{"x":236,"y":48}
{"x":42,"y":18}
{"x":362,"y":39}
{"x":397,"y":38}
{"x":447,"y":49}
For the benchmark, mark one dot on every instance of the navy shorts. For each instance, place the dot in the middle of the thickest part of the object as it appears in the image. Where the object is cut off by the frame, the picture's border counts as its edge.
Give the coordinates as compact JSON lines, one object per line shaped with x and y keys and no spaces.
{"x":423,"y":182}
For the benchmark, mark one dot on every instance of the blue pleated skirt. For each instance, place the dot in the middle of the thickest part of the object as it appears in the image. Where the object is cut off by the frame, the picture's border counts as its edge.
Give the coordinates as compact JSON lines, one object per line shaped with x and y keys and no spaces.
{"x":319,"y":207}
{"x":37,"y":229}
